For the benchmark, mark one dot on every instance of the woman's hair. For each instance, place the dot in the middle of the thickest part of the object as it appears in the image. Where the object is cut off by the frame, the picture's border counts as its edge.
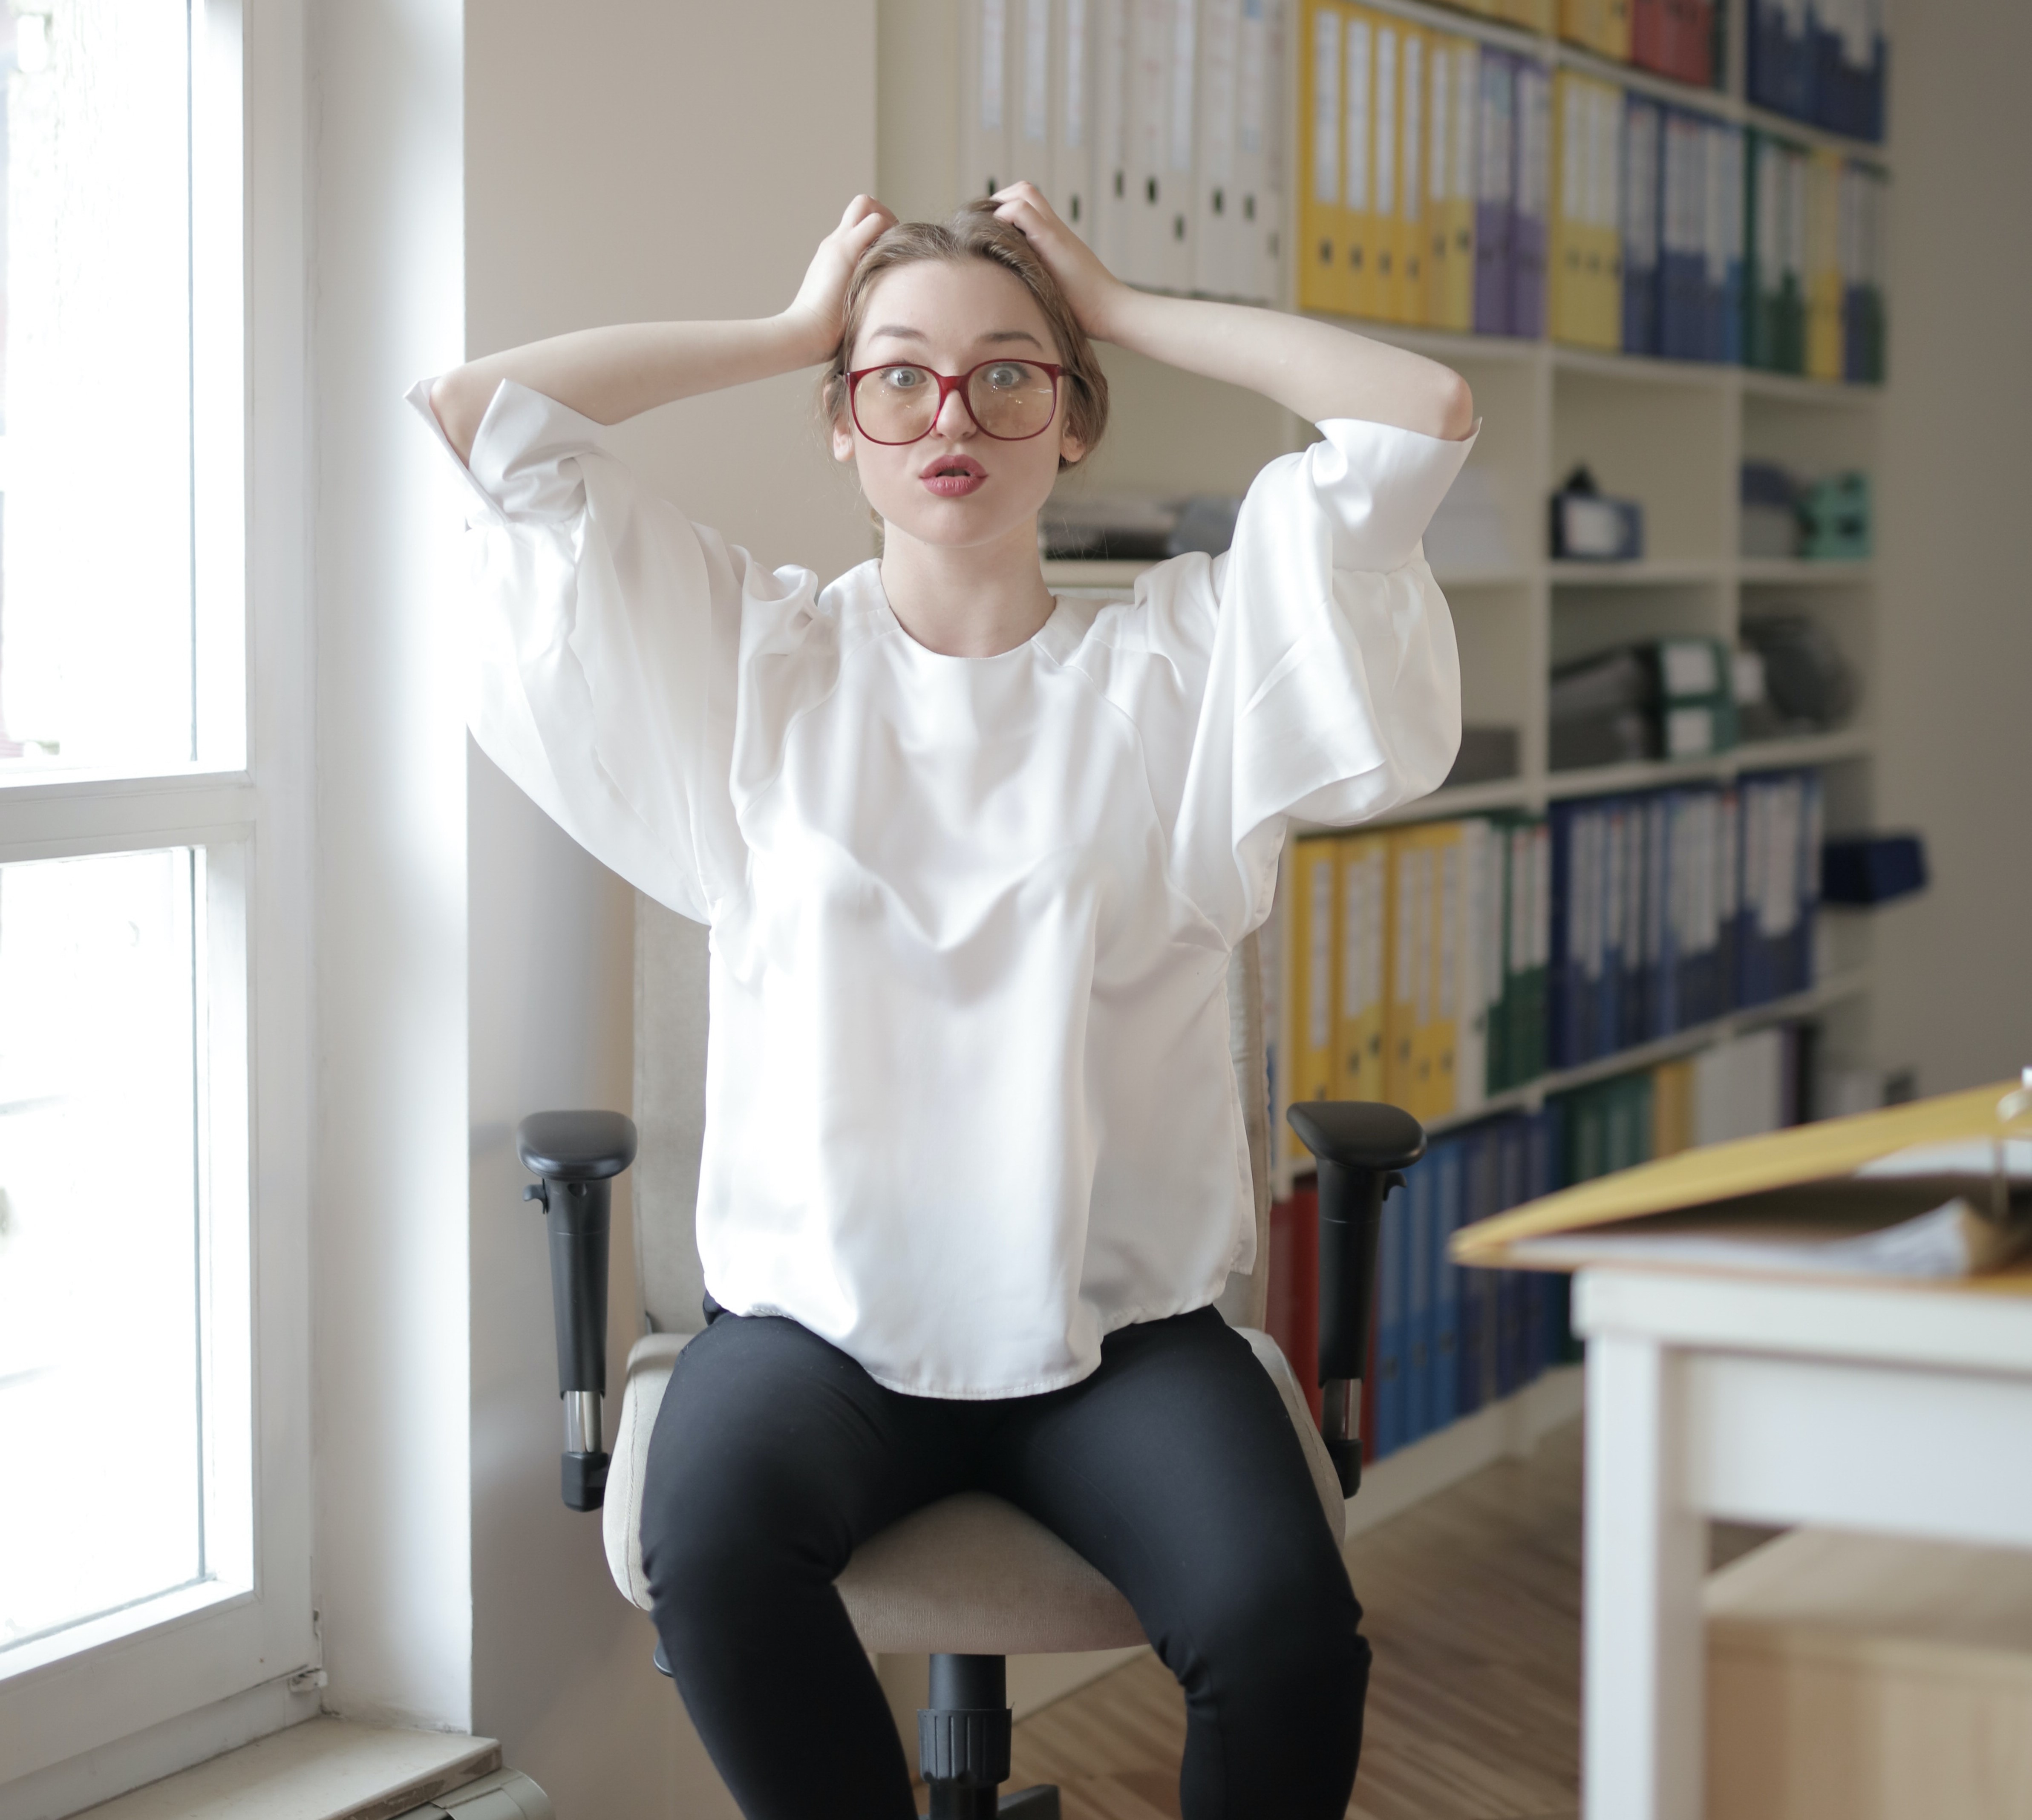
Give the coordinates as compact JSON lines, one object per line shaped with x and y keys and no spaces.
{"x":976,"y":233}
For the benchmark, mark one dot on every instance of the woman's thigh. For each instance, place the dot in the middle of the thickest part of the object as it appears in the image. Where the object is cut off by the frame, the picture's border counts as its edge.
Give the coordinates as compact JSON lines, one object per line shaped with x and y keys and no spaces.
{"x":1174,"y":1469}
{"x":773,"y":1453}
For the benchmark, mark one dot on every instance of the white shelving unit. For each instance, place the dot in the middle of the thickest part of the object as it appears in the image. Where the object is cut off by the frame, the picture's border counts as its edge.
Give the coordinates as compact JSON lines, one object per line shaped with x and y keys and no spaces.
{"x":1671,"y":434}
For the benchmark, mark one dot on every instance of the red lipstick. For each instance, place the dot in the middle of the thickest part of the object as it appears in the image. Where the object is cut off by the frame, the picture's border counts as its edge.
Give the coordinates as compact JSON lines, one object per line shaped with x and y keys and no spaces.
{"x":953,"y":476}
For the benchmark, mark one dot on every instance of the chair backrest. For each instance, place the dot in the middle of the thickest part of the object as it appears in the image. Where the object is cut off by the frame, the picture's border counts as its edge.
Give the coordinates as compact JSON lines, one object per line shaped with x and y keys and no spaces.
{"x":670,"y":999}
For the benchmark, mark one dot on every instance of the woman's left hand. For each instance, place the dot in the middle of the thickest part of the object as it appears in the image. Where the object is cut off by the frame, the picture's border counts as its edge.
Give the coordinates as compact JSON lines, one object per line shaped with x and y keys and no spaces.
{"x":1092,"y":289}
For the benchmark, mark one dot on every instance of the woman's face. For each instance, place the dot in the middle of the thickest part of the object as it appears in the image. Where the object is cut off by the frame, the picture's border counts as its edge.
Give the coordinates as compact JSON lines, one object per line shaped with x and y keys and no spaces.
{"x":955,"y":486}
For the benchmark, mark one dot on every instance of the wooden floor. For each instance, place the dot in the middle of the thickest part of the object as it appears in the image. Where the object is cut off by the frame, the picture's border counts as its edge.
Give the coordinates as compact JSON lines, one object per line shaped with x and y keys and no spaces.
{"x":1472,"y":1603}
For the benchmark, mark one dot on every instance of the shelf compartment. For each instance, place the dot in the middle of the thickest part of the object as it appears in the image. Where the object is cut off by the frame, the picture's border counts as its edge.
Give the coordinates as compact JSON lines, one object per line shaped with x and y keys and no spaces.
{"x":1641,"y":574}
{"x":1799,"y":572}
{"x":1835,"y":990}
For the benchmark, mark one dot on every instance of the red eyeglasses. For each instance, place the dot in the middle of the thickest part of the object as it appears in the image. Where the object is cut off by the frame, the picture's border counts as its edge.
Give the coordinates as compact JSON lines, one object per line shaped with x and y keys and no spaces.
{"x":1012,"y":401}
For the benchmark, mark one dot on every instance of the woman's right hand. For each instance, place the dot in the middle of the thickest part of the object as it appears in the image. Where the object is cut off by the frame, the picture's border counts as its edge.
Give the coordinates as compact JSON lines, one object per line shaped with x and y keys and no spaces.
{"x":819,"y":307}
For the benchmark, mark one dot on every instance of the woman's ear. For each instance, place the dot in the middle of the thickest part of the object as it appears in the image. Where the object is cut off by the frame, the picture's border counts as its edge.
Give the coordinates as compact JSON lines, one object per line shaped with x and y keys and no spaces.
{"x":1072,"y":451}
{"x":843,"y":442}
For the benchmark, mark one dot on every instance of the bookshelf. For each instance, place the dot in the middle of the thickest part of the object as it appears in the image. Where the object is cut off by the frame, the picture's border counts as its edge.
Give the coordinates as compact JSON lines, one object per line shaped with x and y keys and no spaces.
{"x":1670,"y":433}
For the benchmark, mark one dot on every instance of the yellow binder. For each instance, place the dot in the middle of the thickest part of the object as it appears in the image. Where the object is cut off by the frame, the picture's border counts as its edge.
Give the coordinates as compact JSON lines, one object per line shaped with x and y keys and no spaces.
{"x":1409,"y":967}
{"x":1823,"y":273}
{"x":1359,"y":32}
{"x":1315,"y":917}
{"x":1364,"y":944}
{"x":1323,"y":252}
{"x":1585,"y":240}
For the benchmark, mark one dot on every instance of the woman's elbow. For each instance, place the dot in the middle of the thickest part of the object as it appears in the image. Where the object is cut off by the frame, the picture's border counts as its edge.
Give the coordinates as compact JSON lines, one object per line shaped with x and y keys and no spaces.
{"x":459,"y":400}
{"x":1455,"y":406}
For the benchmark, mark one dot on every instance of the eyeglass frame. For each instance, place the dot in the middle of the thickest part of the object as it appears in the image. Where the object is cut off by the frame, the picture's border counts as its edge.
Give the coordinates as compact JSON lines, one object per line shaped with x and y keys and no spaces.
{"x":948,"y":384}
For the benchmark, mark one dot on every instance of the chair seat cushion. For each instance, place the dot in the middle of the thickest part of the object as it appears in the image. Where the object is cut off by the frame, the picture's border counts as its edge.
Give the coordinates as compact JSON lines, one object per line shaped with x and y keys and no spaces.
{"x":970,"y":1575}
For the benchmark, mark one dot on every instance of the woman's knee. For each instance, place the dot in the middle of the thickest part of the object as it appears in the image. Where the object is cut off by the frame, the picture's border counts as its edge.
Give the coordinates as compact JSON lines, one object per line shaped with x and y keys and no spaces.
{"x":1286,"y":1636}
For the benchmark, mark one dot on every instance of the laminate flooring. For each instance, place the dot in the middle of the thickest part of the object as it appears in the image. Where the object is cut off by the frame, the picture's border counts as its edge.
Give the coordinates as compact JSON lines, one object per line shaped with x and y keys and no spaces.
{"x":1472,"y":1604}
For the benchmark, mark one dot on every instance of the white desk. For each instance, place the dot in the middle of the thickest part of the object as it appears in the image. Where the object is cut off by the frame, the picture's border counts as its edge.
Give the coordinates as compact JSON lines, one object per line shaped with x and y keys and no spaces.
{"x":1867,"y":1408}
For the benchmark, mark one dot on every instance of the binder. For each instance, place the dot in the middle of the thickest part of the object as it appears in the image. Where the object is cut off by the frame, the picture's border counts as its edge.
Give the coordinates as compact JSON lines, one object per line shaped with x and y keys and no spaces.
{"x":1358,"y":136}
{"x":1392,"y":1270}
{"x":1443,"y":1392}
{"x":1175,"y":224}
{"x":1793,"y":350}
{"x":1478,"y":1202}
{"x":1682,"y":251}
{"x":1781,"y":57}
{"x":1150,"y":206}
{"x":1111,"y":134}
{"x":1071,"y":184}
{"x":1257,"y":222}
{"x":1846,"y":54}
{"x":1415,"y":1350}
{"x":1601,"y":26}
{"x":1364,"y":940}
{"x":1724,"y":242}
{"x":1641,"y":136}
{"x":1325,"y":280}
{"x":1409,"y":1006}
{"x":1222,"y":254}
{"x":1495,"y":190}
{"x":1533,"y":200}
{"x":985,"y":96}
{"x":1569,"y":250}
{"x":1385,"y":169}
{"x":1413,"y":57}
{"x":1654,"y":31}
{"x":1528,"y":949}
{"x":1315,"y":916}
{"x":1824,"y":289}
{"x":1586,"y":262}
{"x":1862,"y":275}
{"x":1455,"y":108}
{"x":1031,"y":141}
{"x":1483,"y":853}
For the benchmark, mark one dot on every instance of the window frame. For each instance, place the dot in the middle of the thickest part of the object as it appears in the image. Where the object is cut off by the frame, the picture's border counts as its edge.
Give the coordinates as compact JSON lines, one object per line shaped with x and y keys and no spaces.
{"x":247,"y":801}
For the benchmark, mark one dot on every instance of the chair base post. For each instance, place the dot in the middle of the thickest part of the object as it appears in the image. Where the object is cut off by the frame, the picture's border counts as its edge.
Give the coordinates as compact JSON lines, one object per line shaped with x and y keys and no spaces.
{"x":964,"y":1739}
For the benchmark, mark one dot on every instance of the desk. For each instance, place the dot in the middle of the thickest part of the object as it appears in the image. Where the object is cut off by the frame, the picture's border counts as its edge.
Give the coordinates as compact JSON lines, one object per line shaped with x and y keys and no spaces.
{"x":1866,"y":1407}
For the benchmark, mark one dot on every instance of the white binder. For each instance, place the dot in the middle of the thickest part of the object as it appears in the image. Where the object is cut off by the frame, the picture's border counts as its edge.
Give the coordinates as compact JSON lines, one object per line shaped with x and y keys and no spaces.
{"x":1259,"y":145}
{"x":1110,"y":104}
{"x":986,"y":89}
{"x":1071,"y":185}
{"x":1030,"y":92}
{"x":1221,"y":261}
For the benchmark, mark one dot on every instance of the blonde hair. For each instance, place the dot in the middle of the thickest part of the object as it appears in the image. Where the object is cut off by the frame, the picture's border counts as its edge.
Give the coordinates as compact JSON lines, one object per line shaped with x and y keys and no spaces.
{"x":976,"y":233}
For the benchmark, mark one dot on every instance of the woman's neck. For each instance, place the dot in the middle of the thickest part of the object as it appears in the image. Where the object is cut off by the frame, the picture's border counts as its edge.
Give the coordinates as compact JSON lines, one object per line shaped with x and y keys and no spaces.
{"x":979,"y":600}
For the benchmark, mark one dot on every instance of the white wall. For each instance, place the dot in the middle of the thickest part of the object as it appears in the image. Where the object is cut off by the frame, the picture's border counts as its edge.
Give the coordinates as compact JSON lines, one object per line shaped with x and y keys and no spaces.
{"x":1955,"y":965}
{"x":625,"y":159}
{"x":390,"y":1349}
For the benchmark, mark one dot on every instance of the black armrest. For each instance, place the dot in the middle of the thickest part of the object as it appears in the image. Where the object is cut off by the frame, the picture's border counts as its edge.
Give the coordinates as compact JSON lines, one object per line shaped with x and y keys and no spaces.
{"x":1360,"y":1148}
{"x":578,"y":1154}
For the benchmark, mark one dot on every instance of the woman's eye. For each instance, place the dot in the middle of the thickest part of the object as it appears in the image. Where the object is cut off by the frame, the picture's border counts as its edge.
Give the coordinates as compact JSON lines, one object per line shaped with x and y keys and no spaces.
{"x":1008,"y":377}
{"x":904,"y":378}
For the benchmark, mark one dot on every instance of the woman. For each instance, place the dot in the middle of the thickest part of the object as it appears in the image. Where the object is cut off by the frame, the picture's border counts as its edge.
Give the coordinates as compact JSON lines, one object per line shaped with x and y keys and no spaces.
{"x":974,"y":860}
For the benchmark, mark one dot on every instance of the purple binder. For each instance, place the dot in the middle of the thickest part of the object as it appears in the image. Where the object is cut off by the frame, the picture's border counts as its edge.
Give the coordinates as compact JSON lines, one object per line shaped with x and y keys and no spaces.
{"x":1495,"y":192}
{"x":1533,"y":192}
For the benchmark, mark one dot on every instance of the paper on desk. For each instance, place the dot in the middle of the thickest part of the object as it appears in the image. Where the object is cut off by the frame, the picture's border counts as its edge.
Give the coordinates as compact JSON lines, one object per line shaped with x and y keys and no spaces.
{"x":1953,"y":1240}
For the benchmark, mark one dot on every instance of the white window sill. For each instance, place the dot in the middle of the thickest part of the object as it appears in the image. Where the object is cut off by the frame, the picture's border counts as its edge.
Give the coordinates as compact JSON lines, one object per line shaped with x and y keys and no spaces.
{"x":323,"y":1770}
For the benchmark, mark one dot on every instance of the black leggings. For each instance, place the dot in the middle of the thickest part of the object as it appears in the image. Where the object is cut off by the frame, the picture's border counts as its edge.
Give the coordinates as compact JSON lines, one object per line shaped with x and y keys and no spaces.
{"x":1173,"y":1468}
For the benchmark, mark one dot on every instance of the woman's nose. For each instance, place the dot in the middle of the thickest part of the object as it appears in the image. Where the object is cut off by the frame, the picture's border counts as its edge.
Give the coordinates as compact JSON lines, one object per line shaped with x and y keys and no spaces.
{"x":953,"y":422}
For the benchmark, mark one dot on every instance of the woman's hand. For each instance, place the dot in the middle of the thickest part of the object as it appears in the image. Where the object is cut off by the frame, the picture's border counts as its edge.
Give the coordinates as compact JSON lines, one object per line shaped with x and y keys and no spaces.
{"x":1092,"y":289}
{"x":818,"y":311}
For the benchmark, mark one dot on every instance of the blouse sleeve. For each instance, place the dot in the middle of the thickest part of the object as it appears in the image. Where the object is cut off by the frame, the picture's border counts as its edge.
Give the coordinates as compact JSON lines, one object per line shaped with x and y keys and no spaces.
{"x":604,"y":630}
{"x":1331,"y":681}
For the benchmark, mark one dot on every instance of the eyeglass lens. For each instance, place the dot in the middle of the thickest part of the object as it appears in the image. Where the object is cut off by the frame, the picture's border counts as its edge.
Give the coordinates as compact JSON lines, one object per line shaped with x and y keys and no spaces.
{"x":1011,"y":400}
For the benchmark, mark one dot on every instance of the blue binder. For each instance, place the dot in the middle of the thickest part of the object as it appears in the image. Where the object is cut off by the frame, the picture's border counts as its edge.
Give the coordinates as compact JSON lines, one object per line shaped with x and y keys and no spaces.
{"x":1390,"y":1264}
{"x":1641,"y":141}
{"x":1444,"y":1398}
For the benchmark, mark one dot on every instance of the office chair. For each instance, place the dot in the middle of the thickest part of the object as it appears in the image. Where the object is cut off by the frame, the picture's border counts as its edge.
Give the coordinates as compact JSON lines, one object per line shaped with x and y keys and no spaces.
{"x":971,"y":1580}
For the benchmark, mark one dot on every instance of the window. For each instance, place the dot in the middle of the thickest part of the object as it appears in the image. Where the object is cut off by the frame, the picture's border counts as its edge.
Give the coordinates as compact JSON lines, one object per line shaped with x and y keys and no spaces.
{"x":153,"y":1554}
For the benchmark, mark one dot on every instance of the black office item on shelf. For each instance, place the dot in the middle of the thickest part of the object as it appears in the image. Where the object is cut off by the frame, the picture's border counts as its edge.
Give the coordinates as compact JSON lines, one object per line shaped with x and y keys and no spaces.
{"x":1588,"y":526}
{"x":1769,"y":524}
{"x":1672,"y":698}
{"x":1867,"y":869}
{"x":1487,"y":755}
{"x":1810,"y":685}
{"x":1129,"y":527}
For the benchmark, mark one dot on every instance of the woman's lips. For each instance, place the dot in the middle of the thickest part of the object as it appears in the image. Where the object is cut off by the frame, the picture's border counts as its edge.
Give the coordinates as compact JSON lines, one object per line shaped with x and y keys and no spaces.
{"x":954,"y":476}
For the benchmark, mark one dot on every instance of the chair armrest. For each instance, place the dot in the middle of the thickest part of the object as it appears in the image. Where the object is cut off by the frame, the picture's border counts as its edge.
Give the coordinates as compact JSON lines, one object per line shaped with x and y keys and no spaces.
{"x":1361,"y":1150}
{"x":577,"y":1154}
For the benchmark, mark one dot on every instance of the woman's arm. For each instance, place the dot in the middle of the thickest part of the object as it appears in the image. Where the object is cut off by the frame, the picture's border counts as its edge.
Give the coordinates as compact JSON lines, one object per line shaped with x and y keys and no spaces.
{"x":1317,"y":371}
{"x":608,"y":374}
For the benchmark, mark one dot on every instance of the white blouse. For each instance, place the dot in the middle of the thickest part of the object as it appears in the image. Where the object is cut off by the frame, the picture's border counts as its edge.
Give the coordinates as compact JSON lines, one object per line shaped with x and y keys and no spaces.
{"x":969,"y":1100}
